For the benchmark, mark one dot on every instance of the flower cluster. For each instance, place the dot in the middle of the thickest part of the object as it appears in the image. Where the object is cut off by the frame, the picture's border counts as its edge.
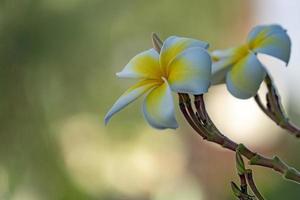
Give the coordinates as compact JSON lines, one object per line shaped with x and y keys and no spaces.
{"x":184,"y":65}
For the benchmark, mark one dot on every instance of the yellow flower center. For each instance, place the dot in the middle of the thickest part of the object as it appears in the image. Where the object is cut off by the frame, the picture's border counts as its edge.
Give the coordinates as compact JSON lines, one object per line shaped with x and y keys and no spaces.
{"x":241,"y":52}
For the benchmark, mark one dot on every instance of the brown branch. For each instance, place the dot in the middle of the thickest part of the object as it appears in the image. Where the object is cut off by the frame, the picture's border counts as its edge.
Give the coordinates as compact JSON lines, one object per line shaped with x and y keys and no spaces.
{"x":274,"y":110}
{"x":239,"y":193}
{"x":206,"y":131}
{"x":156,"y":42}
{"x":204,"y":126}
{"x":212,"y":134}
{"x":262,"y":107}
{"x":190,"y":115}
{"x":243,"y":183}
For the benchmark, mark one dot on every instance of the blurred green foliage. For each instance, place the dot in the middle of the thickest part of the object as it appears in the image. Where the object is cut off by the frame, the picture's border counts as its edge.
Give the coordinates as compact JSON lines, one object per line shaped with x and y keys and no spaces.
{"x":58,"y":59}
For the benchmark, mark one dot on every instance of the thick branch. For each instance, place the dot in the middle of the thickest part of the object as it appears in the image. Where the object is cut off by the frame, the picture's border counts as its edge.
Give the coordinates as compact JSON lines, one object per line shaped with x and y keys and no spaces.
{"x":211,"y":133}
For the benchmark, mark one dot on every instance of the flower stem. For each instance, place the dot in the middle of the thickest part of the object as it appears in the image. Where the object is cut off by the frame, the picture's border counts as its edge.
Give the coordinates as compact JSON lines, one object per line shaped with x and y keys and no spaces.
{"x":274,"y":110}
{"x":204,"y":126}
{"x":252,"y":185}
{"x":243,"y":183}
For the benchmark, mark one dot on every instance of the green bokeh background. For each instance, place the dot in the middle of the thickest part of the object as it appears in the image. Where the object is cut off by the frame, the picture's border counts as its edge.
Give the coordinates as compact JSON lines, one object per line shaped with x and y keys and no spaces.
{"x":58,"y":60}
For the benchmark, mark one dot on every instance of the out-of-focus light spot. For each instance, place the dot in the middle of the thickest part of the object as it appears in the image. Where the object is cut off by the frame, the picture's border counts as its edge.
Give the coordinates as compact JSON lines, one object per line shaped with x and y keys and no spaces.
{"x":241,"y":120}
{"x":274,"y":11}
{"x":26,"y":192}
{"x":4,"y":183}
{"x":149,"y":163}
{"x":286,"y":87}
{"x":182,"y":189}
{"x":276,"y":68}
{"x":97,"y":163}
{"x":83,"y":146}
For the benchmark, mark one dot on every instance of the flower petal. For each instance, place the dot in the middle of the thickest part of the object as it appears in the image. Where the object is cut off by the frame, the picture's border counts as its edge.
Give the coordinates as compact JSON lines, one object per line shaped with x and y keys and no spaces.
{"x":143,"y":65}
{"x":245,"y":77}
{"x":158,"y":108}
{"x":219,"y":71}
{"x":272,"y":40}
{"x":222,"y":61}
{"x":174,"y":45}
{"x":190,"y":71}
{"x":129,"y":96}
{"x":223,"y":54}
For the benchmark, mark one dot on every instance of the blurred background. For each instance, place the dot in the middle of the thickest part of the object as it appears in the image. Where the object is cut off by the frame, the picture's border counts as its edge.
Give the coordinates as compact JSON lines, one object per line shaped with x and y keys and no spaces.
{"x":58,"y":60}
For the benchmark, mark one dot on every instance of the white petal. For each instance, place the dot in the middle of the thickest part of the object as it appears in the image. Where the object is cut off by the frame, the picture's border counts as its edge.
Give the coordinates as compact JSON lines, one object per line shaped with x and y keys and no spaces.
{"x":272,"y":40}
{"x":174,"y":45}
{"x":158,"y":108}
{"x":222,"y":54}
{"x":143,"y":65}
{"x":219,"y":71}
{"x":129,"y":96}
{"x":222,"y":61}
{"x":245,"y":77}
{"x":190,"y":71}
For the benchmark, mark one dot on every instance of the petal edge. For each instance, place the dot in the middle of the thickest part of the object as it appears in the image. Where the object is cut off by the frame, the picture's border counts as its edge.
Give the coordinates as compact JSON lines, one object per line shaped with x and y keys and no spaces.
{"x":143,"y":65}
{"x":129,"y":96}
{"x":245,"y":77}
{"x":271,"y":40}
{"x":175,"y":45}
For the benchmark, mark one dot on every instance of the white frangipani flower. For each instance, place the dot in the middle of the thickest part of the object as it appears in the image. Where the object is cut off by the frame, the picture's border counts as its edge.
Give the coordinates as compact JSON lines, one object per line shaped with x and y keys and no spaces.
{"x":182,"y":66}
{"x":240,"y":68}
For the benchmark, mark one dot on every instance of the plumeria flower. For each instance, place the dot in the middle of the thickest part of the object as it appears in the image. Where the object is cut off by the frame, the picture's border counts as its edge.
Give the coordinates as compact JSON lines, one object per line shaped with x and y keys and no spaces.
{"x":240,"y":68}
{"x":182,"y":66}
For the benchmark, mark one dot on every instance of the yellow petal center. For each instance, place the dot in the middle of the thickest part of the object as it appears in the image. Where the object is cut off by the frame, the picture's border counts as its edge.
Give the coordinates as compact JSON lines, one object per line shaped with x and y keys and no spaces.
{"x":240,"y":53}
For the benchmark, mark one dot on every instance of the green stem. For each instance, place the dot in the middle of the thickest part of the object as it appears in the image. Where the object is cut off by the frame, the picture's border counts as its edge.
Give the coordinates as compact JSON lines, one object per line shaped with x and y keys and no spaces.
{"x":252,"y":185}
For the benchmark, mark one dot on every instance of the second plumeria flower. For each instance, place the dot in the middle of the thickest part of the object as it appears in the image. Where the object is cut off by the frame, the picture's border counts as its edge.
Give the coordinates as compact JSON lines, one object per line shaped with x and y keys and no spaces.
{"x":240,"y":68}
{"x":182,"y":66}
